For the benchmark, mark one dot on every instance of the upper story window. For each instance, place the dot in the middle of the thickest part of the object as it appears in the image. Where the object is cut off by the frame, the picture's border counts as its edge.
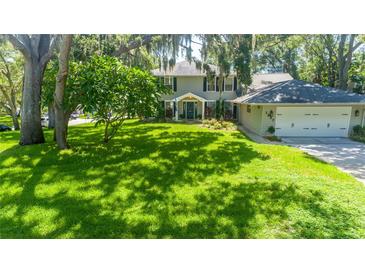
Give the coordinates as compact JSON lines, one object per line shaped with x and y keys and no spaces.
{"x":168,"y":81}
{"x":228,"y":84}
{"x":210,"y":83}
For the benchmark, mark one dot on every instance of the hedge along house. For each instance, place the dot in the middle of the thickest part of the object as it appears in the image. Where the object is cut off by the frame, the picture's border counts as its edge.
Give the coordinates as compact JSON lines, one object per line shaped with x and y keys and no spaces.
{"x":195,"y":95}
{"x":300,"y":109}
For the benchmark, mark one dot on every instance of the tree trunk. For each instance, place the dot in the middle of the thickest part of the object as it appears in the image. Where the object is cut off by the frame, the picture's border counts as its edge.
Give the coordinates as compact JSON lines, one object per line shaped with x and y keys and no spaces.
{"x":341,"y":61}
{"x":60,"y":117}
{"x":14,"y":117}
{"x":348,"y":61}
{"x":51,"y":116}
{"x":106,"y":133}
{"x":37,"y":50}
{"x":31,"y":132}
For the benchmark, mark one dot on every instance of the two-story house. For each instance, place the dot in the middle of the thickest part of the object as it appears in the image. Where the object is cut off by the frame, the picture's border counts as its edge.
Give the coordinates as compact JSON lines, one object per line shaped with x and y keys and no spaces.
{"x":195,"y":95}
{"x":277,"y":101}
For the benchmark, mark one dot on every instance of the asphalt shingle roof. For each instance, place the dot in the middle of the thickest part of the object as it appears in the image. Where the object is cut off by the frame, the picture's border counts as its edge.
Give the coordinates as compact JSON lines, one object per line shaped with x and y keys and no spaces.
{"x":183,"y":68}
{"x":296,"y":91}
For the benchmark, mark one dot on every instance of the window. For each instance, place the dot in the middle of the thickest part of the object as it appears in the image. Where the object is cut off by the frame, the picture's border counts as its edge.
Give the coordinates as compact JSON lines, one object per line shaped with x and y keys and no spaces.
{"x":210,"y":84}
{"x":168,"y":81}
{"x":228,"y":84}
{"x":248,"y":108}
{"x":169,"y":109}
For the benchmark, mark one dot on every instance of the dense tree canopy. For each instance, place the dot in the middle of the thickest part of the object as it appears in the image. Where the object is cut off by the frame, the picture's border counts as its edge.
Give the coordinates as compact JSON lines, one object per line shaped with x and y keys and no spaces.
{"x":11,"y":80}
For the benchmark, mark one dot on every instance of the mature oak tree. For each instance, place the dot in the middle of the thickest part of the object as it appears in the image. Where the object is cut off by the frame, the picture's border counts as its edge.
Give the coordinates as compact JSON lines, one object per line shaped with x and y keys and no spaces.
{"x":37,"y":50}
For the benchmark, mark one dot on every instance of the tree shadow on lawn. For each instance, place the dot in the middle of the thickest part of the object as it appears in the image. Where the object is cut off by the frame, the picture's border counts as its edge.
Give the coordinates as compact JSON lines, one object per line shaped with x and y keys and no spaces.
{"x":154,"y":183}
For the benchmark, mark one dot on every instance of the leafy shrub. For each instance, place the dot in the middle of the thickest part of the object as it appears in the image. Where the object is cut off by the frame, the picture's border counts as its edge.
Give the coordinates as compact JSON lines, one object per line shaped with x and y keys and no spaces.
{"x":358,"y":130}
{"x":358,"y":133}
{"x":219,"y":125}
{"x":271,"y":130}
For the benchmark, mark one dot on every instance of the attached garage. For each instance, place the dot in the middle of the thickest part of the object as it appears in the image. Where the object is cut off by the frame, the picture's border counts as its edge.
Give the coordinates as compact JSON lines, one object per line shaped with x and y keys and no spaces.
{"x":296,"y":108}
{"x":313,"y":121}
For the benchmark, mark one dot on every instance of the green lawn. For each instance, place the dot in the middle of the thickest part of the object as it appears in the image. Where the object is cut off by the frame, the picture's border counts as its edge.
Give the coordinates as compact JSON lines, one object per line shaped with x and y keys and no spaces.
{"x":6,"y":120}
{"x":161,"y":180}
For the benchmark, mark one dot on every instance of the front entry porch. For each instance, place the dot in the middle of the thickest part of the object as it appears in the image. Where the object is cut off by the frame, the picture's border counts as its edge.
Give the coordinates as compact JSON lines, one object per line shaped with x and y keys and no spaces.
{"x":193,"y":107}
{"x":186,"y":107}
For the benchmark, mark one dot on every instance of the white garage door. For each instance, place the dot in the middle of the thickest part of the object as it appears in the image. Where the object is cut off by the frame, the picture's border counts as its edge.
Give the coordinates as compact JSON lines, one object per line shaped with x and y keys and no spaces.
{"x":313,"y":121}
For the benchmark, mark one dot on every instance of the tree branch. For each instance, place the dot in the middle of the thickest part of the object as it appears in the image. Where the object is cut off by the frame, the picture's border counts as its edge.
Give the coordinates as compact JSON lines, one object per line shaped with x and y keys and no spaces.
{"x":146,"y":39}
{"x":52,"y":46}
{"x":19,"y":44}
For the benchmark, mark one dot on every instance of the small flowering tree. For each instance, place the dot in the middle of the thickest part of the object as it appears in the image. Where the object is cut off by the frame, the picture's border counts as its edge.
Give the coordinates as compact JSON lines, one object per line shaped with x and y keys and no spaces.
{"x":114,"y":92}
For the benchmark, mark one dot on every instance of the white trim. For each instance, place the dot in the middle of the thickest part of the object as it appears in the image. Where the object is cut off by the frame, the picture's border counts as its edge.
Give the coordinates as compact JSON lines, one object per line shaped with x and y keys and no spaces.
{"x":191,"y":95}
{"x":363,"y":118}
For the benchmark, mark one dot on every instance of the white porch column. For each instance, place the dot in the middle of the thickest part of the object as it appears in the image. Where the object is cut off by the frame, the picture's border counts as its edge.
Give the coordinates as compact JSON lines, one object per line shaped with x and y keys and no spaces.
{"x":203,"y":110}
{"x":177,"y":110}
{"x":363,"y":117}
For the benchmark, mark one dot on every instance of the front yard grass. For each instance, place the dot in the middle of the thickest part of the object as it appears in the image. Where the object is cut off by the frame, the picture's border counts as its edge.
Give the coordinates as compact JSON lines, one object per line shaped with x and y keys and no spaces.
{"x":161,"y":180}
{"x":6,"y":120}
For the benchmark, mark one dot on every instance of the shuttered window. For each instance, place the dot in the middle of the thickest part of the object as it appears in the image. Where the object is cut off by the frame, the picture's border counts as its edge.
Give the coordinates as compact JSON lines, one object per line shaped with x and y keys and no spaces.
{"x":228,"y":84}
{"x":168,"y":82}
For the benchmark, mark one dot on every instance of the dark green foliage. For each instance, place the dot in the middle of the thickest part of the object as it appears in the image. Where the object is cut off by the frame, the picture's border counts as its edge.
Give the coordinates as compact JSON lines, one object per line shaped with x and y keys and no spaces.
{"x":358,"y":130}
{"x":271,"y":130}
{"x":242,"y":59}
{"x":73,"y":91}
{"x":219,"y":109}
{"x":358,"y":133}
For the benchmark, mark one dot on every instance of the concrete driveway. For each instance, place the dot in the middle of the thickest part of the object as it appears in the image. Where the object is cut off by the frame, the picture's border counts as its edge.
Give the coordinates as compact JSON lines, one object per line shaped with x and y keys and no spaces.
{"x":344,"y":153}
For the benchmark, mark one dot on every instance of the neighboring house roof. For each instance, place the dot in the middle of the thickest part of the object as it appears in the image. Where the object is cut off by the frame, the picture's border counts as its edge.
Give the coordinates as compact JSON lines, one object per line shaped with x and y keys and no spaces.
{"x":206,"y":95}
{"x":296,"y":91}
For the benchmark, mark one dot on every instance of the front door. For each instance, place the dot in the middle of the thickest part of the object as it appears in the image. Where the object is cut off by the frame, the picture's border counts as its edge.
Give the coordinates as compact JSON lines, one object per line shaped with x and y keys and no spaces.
{"x":189,"y":110}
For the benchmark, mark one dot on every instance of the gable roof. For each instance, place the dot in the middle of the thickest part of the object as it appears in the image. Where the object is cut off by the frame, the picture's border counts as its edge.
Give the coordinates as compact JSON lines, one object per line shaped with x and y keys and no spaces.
{"x":184,"y":68}
{"x":206,"y":95}
{"x":296,"y":91}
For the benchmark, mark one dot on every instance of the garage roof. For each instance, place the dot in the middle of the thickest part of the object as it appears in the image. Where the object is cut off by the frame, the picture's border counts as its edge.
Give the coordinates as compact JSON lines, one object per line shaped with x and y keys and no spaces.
{"x":296,"y":91}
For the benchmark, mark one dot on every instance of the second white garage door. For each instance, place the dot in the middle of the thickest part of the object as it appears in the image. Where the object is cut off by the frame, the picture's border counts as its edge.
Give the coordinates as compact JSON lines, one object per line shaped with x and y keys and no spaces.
{"x":312,"y":121}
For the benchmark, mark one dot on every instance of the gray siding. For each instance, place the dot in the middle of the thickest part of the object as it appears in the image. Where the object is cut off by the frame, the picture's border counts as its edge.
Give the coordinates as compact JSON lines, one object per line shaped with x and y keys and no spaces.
{"x":189,"y":83}
{"x":266,"y":120}
{"x":251,"y":120}
{"x":356,"y":120}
